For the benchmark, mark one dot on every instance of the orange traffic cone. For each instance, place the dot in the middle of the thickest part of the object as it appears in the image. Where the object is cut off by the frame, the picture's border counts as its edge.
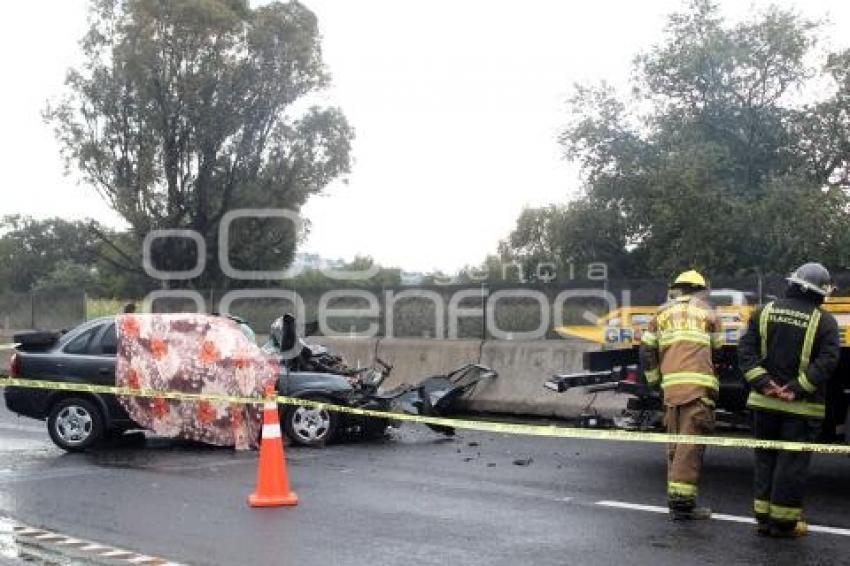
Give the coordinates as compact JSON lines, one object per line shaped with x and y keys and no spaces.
{"x":272,"y":480}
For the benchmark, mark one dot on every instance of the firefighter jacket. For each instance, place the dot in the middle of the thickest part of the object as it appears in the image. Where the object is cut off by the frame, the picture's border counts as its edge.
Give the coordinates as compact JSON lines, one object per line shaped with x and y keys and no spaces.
{"x":676,"y":350}
{"x":792,"y":342}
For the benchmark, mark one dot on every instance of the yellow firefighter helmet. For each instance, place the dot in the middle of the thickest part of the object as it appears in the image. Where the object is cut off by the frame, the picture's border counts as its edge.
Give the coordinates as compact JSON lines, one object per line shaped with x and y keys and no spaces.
{"x":692,"y":278}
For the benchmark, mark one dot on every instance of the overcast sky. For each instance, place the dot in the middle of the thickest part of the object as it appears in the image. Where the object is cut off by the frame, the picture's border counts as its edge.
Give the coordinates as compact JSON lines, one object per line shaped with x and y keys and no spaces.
{"x":456,"y":106}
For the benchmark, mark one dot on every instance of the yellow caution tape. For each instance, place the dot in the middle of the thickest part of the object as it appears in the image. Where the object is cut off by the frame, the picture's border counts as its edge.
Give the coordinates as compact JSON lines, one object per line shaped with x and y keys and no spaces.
{"x":484,"y":426}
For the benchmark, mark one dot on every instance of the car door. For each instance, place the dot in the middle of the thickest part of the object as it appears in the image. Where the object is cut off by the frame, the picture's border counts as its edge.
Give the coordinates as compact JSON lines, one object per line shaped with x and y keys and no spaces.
{"x":90,"y":358}
{"x":80,"y":359}
{"x":103,"y":349}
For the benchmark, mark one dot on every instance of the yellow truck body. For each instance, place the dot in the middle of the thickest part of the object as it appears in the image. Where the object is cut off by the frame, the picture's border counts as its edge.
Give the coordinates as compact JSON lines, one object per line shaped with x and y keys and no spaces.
{"x":622,"y":328}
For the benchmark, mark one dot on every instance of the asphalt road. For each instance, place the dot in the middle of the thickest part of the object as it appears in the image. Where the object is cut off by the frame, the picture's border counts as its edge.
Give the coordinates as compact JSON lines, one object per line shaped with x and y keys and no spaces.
{"x":416,"y":498}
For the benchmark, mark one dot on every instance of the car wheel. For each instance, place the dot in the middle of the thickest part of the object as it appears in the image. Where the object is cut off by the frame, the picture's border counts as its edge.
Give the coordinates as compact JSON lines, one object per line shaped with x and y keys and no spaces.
{"x":75,"y":424}
{"x":309,"y":426}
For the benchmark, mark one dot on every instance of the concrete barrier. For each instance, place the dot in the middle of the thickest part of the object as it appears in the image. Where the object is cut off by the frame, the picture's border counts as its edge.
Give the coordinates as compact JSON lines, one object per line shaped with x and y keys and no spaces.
{"x":523,"y":367}
{"x":355,"y":352}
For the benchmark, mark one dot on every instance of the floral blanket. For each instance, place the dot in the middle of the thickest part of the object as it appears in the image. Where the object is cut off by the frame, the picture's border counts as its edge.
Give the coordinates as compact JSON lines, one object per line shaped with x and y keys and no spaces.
{"x":193,"y":354}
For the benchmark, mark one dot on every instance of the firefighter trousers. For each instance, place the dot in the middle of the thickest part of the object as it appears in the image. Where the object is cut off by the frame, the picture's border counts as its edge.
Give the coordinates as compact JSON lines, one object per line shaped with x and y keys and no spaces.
{"x":684,"y":461}
{"x":780,"y":475}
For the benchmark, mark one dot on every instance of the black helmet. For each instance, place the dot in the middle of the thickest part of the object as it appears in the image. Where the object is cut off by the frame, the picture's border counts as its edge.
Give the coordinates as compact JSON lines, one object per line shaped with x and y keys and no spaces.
{"x":812,"y":277}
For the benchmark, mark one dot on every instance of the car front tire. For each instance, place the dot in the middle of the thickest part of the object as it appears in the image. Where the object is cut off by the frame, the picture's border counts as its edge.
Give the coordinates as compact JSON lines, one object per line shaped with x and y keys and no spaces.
{"x":309,"y":426}
{"x":75,"y":424}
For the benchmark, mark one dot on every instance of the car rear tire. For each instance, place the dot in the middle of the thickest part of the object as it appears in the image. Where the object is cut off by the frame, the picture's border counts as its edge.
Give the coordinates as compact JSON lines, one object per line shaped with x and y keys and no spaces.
{"x":75,"y":424}
{"x":309,"y":426}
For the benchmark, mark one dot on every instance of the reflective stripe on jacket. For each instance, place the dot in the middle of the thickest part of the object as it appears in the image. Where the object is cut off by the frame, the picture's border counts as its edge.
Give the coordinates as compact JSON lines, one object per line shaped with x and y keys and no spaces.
{"x":676,"y":350}
{"x":792,"y":342}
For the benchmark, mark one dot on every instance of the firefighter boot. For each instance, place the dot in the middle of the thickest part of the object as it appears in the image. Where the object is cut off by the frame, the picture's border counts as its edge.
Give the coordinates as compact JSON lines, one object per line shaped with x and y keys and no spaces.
{"x":761,"y":509}
{"x":693,"y":514}
{"x":686,"y":509}
{"x":799,"y":529}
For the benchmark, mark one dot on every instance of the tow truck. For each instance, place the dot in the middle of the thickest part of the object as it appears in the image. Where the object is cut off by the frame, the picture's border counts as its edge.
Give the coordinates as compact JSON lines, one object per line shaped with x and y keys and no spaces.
{"x":616,"y":366}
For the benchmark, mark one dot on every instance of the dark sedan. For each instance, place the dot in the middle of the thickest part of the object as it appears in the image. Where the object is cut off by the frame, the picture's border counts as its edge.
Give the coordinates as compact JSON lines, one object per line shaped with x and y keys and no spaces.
{"x":87,"y":354}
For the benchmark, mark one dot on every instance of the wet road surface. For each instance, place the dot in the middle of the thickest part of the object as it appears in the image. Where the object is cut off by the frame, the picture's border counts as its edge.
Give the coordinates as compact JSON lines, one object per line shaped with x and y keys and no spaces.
{"x":417,"y":498}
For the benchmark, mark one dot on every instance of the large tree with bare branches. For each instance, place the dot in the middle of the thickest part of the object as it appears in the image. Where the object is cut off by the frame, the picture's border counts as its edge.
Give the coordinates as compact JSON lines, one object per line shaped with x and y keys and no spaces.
{"x":185,"y":109}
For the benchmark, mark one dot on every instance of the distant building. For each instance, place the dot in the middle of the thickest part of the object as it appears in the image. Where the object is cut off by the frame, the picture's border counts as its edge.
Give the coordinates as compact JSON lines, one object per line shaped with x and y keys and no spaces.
{"x":412,"y":278}
{"x":305,"y":261}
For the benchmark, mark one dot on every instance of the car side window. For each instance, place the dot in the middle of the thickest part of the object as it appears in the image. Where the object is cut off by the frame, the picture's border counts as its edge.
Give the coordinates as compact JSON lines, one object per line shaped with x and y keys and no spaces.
{"x":108,"y":342}
{"x":79,"y":345}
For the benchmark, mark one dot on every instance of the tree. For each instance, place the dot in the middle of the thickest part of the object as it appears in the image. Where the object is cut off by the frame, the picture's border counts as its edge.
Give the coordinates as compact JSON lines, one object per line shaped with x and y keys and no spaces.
{"x":380,"y":276}
{"x":583,"y":232}
{"x":31,"y":249}
{"x":711,"y":164}
{"x":70,"y":277}
{"x":186,"y":109}
{"x":39,"y":254}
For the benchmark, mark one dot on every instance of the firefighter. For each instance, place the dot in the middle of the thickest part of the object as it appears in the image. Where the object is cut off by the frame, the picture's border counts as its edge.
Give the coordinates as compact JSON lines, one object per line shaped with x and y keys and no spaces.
{"x":676,"y":353}
{"x":789,"y":352}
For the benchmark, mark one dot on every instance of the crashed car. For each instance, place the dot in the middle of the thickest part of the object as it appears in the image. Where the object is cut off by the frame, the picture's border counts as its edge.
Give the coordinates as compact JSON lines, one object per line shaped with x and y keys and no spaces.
{"x":206,"y":355}
{"x":312,"y":372}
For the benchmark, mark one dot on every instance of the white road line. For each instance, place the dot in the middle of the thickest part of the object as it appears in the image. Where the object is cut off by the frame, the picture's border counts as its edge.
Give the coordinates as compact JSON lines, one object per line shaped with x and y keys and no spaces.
{"x":736,"y":519}
{"x":48,"y":536}
{"x":115,"y":553}
{"x":829,"y":530}
{"x":27,"y":532}
{"x":716,"y":516}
